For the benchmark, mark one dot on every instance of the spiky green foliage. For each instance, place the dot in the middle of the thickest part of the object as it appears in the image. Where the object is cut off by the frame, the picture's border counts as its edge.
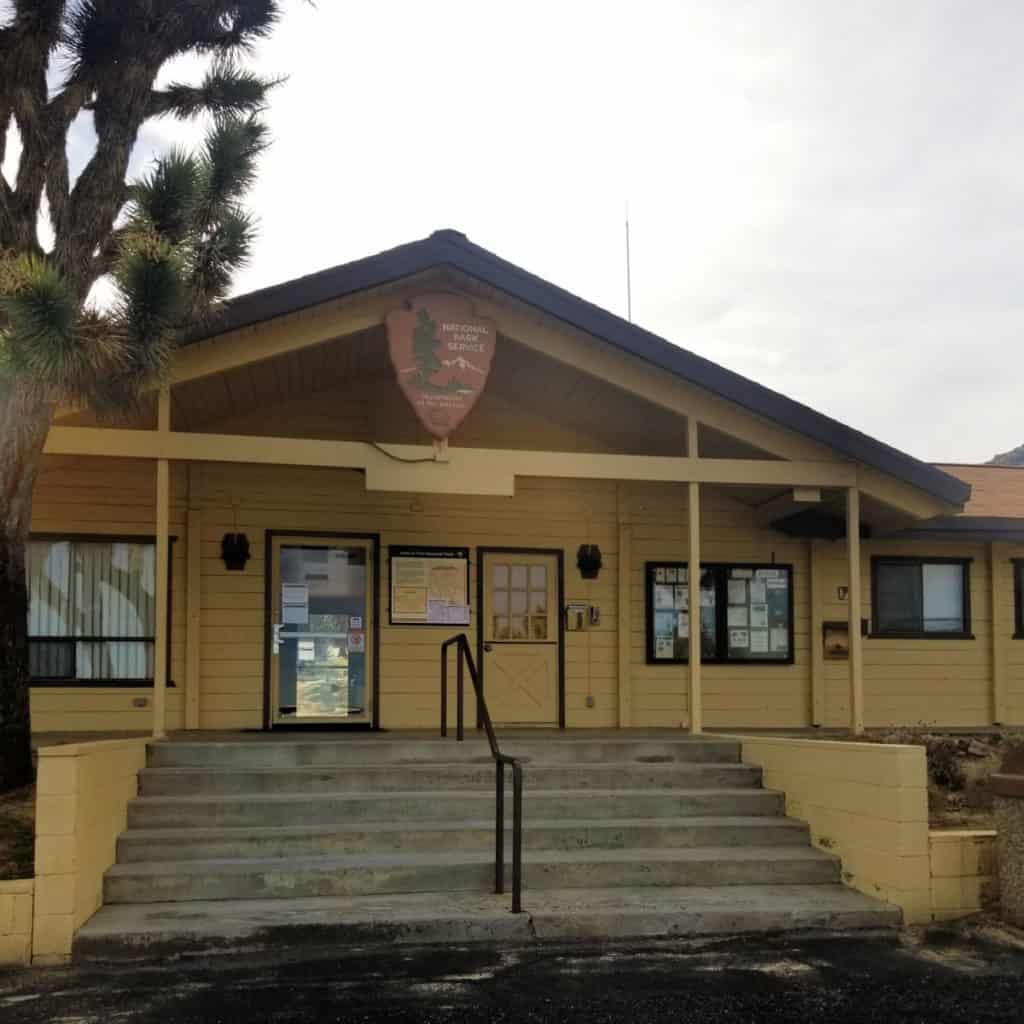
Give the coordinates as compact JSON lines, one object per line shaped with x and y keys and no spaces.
{"x":183,"y":233}
{"x":170,"y":243}
{"x":226,"y":89}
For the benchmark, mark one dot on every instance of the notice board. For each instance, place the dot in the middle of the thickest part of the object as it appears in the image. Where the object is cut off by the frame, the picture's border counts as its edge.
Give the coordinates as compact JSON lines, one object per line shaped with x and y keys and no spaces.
{"x":429,"y":585}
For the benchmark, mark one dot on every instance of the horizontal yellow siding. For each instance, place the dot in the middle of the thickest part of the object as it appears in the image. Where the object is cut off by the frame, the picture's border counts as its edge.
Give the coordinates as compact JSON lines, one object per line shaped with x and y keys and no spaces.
{"x":111,"y":496}
{"x":940,"y":682}
{"x":734,"y":695}
{"x":543,"y":514}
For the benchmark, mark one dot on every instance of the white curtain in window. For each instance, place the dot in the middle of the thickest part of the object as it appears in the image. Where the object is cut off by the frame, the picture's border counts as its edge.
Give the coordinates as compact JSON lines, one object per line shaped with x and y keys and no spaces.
{"x":48,"y":568}
{"x":96,"y":589}
{"x":943,"y":597}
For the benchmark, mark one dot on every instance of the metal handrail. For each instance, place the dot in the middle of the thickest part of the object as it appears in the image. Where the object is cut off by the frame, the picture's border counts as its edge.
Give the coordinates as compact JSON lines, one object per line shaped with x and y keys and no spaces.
{"x":465,"y":658}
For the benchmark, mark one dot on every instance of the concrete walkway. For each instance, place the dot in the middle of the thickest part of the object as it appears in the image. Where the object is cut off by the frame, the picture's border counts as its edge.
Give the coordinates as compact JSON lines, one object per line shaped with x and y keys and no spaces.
{"x":843,"y":980}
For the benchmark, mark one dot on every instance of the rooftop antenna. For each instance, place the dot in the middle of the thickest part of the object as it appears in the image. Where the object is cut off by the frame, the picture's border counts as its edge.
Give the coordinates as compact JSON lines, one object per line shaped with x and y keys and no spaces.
{"x":629,"y":282}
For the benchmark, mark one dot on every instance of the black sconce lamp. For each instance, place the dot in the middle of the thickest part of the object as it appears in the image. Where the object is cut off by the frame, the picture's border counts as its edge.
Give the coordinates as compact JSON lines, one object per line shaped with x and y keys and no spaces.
{"x":234,"y":549}
{"x":588,"y":561}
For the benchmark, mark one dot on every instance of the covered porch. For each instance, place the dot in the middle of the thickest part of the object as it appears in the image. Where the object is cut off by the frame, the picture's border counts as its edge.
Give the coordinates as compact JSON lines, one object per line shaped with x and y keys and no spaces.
{"x":294,"y":426}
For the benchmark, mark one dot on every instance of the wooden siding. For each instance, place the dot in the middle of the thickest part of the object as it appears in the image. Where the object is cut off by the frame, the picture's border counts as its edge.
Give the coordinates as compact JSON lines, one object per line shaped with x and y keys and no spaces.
{"x":544,"y":514}
{"x":734,"y":695}
{"x":1012,"y":648}
{"x":941,"y":682}
{"x":995,"y":490}
{"x":111,"y":496}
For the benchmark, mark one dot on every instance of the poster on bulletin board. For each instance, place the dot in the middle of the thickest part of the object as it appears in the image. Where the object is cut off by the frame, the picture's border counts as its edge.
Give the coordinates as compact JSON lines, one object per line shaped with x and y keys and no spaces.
{"x":429,"y":586}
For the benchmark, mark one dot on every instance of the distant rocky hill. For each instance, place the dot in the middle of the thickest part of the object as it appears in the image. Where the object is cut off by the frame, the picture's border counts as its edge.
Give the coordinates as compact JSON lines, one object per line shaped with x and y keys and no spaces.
{"x":1012,"y":458}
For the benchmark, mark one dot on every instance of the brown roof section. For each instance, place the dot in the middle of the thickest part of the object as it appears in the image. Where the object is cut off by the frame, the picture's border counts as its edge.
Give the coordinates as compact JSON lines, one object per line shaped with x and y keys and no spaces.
{"x":995,"y":490}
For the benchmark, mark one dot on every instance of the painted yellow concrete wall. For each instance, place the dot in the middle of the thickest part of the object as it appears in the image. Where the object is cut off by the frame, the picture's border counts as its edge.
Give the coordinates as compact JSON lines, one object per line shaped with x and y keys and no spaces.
{"x":865,"y":802}
{"x":16,"y":898}
{"x":110,"y":496}
{"x":82,"y":794}
{"x":964,"y":871}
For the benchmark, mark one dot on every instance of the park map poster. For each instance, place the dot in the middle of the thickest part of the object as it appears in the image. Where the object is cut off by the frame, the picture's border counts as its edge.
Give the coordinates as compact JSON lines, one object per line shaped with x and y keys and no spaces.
{"x":429,"y":586}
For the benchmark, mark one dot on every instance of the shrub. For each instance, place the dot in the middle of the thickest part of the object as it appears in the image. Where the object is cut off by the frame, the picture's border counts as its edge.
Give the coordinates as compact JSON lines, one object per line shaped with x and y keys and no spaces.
{"x":943,"y":756}
{"x":1012,"y":750}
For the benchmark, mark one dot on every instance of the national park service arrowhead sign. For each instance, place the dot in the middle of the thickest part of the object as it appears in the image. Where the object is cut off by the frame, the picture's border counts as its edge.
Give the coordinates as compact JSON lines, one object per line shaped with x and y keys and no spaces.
{"x":441,"y":351}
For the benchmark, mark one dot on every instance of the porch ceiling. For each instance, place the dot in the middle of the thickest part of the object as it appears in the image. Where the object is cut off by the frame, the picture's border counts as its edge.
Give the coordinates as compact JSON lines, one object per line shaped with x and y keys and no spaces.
{"x":344,"y":389}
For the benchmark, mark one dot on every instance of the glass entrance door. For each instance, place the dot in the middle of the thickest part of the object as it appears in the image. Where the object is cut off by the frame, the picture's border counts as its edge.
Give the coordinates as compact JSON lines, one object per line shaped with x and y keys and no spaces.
{"x":321,"y":649}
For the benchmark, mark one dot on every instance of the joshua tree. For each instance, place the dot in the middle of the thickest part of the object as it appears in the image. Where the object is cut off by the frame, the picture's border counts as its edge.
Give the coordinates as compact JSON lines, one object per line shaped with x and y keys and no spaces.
{"x":168,"y":243}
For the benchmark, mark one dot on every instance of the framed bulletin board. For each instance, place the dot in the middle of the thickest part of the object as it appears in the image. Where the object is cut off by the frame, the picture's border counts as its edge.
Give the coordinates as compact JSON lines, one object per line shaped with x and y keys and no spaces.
{"x":746,"y":613}
{"x":429,"y":586}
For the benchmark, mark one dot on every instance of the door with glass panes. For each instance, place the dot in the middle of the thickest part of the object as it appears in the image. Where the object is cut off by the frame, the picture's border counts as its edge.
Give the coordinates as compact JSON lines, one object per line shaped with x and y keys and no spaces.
{"x":321,"y":665}
{"x":520,"y":630}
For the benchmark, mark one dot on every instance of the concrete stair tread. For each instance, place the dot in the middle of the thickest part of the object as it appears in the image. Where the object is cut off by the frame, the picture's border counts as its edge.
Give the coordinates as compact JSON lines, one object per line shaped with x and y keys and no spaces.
{"x":447,"y":825}
{"x":133,"y":932}
{"x":469,"y":794}
{"x":632,"y":855}
{"x":697,"y":767}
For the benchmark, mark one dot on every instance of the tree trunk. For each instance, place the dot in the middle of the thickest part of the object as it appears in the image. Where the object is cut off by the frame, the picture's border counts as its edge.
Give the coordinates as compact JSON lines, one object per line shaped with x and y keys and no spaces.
{"x":24,"y":423}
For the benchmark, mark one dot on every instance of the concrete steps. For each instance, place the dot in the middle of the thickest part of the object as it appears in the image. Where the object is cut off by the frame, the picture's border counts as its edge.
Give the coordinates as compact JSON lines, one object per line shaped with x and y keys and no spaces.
{"x":477,"y":805}
{"x":141,"y":932}
{"x":141,"y":845}
{"x":420,"y":871}
{"x":274,"y":752}
{"x":392,"y":838}
{"x":406,"y":778}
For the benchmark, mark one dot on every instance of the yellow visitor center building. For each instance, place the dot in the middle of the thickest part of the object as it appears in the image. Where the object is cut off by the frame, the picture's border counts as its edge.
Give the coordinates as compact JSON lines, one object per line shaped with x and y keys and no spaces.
{"x":347,"y":469}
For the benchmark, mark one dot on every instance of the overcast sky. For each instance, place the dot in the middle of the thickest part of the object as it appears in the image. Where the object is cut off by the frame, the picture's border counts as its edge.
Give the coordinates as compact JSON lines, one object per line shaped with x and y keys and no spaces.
{"x":824,"y":196}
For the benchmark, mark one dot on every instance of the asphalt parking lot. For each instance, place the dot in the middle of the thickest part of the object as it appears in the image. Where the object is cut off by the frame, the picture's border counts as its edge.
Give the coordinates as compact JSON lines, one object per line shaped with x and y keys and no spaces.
{"x":962,"y":976}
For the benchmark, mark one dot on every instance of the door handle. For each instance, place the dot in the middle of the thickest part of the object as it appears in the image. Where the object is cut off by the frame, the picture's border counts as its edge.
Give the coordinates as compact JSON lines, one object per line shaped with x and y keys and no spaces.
{"x":487,"y":648}
{"x":275,"y":638}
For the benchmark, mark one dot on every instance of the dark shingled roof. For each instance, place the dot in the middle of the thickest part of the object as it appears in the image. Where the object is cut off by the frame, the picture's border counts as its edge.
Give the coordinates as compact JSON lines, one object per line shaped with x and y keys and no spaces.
{"x":452,"y":249}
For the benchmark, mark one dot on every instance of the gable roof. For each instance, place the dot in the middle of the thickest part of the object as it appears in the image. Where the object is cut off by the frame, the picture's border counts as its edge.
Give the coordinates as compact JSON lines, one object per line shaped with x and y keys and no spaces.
{"x":450,"y":248}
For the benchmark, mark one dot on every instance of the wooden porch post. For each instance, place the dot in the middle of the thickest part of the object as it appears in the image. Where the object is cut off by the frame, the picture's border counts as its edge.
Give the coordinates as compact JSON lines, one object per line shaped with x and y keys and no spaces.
{"x":856,"y":647}
{"x":696,"y":698}
{"x":625,"y":609}
{"x":817,"y":601}
{"x":193,"y":600}
{"x":162,"y":548}
{"x":693,"y":559}
{"x":998,"y":589}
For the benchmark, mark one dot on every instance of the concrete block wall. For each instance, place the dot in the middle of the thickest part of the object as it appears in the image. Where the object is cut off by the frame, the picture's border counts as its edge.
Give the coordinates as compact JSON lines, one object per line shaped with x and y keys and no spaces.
{"x":964,"y":872}
{"x":865,"y":802}
{"x":82,"y":795}
{"x":16,"y":921}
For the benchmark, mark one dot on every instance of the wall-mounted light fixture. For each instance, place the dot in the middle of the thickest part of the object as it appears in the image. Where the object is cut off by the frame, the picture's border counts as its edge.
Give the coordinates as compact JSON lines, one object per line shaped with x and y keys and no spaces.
{"x":588,"y":561}
{"x":234,"y":549}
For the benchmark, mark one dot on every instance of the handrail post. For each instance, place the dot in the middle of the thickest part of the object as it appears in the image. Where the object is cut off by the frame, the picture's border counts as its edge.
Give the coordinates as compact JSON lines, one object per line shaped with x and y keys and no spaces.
{"x":499,"y":829}
{"x":444,"y":690}
{"x":517,"y":838}
{"x":465,"y":659}
{"x":460,"y":687}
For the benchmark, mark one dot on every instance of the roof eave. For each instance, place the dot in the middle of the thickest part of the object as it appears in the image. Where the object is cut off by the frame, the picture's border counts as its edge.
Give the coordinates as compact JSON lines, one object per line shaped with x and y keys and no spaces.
{"x":449,"y":248}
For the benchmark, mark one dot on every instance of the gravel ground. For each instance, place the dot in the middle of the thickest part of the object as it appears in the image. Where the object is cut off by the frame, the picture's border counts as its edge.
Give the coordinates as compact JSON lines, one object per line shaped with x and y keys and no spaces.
{"x":964,"y":976}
